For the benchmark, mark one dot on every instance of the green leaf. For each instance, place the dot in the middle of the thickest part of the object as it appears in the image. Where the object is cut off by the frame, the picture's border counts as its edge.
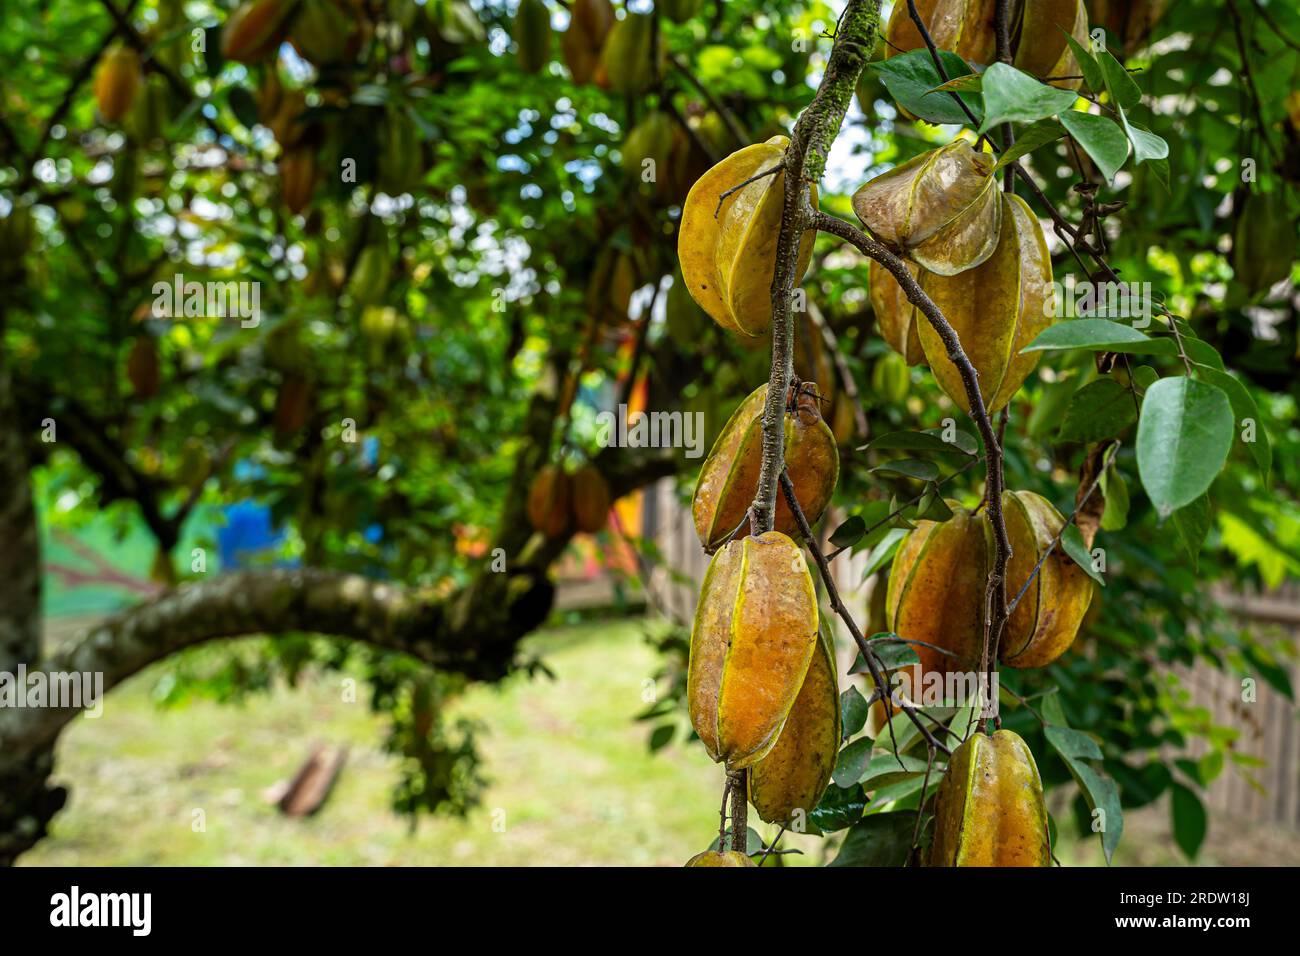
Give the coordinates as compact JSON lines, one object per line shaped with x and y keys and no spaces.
{"x":1115,"y":490}
{"x":1121,"y":86}
{"x":1099,"y":791}
{"x":852,"y":762}
{"x":1088,"y":65}
{"x":885,"y":769}
{"x":911,"y":79}
{"x":1243,"y":409}
{"x":1099,"y":335}
{"x":883,"y":552}
{"x":1100,"y":410}
{"x":1146,"y":145}
{"x":661,"y":737}
{"x":920,"y":441}
{"x":849,"y":533}
{"x":909,"y":468}
{"x":893,"y":651}
{"x":853,"y":712}
{"x":970,"y":83}
{"x":1100,"y":138}
{"x":1073,"y":544}
{"x":1275,"y":674}
{"x":1145,"y":376}
{"x":1190,"y":822}
{"x":1013,"y":96}
{"x":937,"y":510}
{"x":1192,"y":523}
{"x":1183,"y":439}
{"x":883,"y":839}
{"x":839,"y":808}
{"x":1031,"y":138}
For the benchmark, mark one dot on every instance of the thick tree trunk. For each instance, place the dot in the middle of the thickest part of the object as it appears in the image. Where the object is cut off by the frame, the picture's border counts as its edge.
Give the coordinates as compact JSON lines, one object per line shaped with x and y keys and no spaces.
{"x":27,"y":801}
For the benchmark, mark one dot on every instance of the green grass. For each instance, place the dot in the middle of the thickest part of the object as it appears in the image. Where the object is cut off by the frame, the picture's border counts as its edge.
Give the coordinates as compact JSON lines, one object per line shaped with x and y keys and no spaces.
{"x":566,"y":762}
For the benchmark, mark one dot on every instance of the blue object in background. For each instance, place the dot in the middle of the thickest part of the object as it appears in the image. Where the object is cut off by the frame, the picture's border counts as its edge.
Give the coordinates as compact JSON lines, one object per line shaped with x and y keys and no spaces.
{"x":247,"y":532}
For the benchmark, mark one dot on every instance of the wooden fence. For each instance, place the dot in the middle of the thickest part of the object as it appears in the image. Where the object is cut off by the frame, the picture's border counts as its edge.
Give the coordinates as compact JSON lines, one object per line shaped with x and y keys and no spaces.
{"x":1268,"y":726}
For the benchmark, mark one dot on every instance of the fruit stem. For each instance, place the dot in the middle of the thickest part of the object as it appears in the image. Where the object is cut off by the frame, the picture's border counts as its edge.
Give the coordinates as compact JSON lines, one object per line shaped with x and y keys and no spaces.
{"x":803,"y":164}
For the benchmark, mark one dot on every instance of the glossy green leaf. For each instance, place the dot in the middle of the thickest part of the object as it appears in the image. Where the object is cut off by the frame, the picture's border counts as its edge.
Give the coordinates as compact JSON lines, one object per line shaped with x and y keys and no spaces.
{"x":1100,"y":410}
{"x":1013,"y":96}
{"x":1100,"y":138}
{"x":1183,"y":439}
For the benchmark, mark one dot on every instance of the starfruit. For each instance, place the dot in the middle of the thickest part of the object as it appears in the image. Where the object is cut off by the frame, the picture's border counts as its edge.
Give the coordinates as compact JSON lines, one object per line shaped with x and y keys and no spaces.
{"x":1128,"y":21}
{"x":1043,"y":50}
{"x":589,"y":23}
{"x":941,"y":208}
{"x":813,"y":363}
{"x":293,"y":406}
{"x":936,"y":596}
{"x":254,"y":31}
{"x":965,"y":27}
{"x":401,"y":158}
{"x":686,"y":320}
{"x":898,"y":319}
{"x":611,"y":284}
{"x":794,"y":774}
{"x":142,"y":368}
{"x":1263,"y":243}
{"x":996,"y":310}
{"x":627,"y":60}
{"x":117,"y":80}
{"x":989,"y":810}
{"x":648,"y":149}
{"x":590,"y":499}
{"x":1046,"y":620}
{"x":320,"y":31}
{"x":370,"y":276}
{"x":728,"y":479}
{"x":532,"y":35}
{"x":298,"y":177}
{"x":549,"y":501}
{"x":147,"y":119}
{"x":720,"y":858}
{"x":753,"y":640}
{"x":890,"y":379}
{"x":728,"y":255}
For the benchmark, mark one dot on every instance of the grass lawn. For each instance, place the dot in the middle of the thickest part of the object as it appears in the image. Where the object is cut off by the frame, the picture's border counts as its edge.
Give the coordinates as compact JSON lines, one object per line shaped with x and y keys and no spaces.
{"x":566,"y":763}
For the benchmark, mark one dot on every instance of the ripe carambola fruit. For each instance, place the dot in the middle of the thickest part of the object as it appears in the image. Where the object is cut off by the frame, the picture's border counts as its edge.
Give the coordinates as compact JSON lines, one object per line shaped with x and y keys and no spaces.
{"x":729,"y":478}
{"x":1043,"y":50}
{"x":794,"y":774}
{"x":720,"y":858}
{"x":589,"y":24}
{"x":532,"y":35}
{"x":298,"y":177}
{"x":941,"y":208}
{"x":754,"y":637}
{"x":255,"y":29}
{"x":936,"y":595}
{"x":549,"y":501}
{"x":996,"y":310}
{"x":1046,"y":620}
{"x":591,"y":501}
{"x":627,"y":59}
{"x":728,"y":256}
{"x":899,"y":320}
{"x":965,"y":27}
{"x":117,"y":80}
{"x":989,"y":810}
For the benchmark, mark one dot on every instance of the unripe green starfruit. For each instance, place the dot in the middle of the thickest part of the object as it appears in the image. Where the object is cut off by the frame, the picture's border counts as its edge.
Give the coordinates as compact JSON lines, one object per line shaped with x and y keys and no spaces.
{"x":890,"y":379}
{"x":148,"y":116}
{"x":941,"y":208}
{"x":1047,"y":618}
{"x":320,"y":31}
{"x":753,"y":640}
{"x":532,"y":35}
{"x":1263,"y":243}
{"x":370,"y":275}
{"x":401,"y":157}
{"x":720,"y":858}
{"x":787,"y":784}
{"x":898,"y":319}
{"x":728,"y":254}
{"x":996,"y":309}
{"x":729,"y":477}
{"x":990,"y":809}
{"x":627,"y":60}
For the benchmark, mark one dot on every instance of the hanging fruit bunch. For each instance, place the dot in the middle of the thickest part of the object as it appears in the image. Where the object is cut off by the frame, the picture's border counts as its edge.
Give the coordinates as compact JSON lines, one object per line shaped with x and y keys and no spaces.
{"x":966,"y":27}
{"x":118,"y":79}
{"x":560,"y":501}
